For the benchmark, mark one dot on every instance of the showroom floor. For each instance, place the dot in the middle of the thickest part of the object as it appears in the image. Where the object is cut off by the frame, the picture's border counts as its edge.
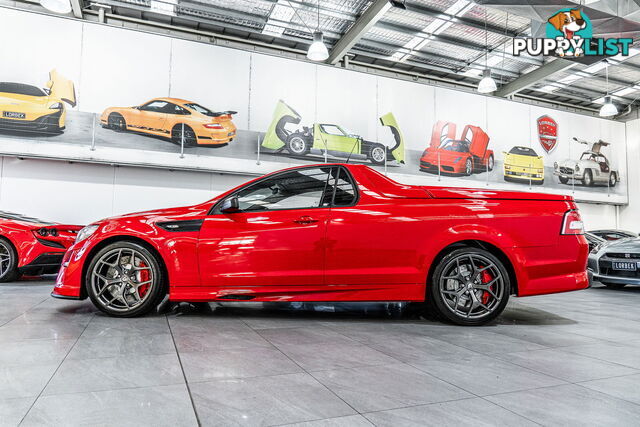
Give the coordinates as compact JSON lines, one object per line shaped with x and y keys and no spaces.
{"x":567,"y":359}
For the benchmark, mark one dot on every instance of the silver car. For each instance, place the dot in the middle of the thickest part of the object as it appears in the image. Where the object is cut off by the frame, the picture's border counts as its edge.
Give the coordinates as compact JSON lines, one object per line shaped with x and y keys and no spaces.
{"x":616,"y":263}
{"x":592,"y":168}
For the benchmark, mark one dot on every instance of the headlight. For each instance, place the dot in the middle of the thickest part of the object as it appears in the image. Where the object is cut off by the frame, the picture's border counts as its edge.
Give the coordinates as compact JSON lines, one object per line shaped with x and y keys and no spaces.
{"x":457,"y":159}
{"x":577,"y":168}
{"x":596,"y":248}
{"x":56,"y":106}
{"x":555,"y":165}
{"x":86,"y":232}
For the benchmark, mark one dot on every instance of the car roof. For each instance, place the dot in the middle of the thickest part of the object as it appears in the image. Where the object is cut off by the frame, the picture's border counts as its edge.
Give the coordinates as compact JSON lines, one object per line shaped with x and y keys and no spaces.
{"x":173,"y":100}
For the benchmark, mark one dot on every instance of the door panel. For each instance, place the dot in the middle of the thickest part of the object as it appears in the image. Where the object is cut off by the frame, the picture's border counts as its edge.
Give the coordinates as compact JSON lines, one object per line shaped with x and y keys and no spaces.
{"x":262,"y":249}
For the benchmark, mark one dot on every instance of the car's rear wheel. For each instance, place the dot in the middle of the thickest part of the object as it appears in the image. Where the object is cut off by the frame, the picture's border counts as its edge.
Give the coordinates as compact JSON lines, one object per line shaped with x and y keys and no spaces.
{"x":189,"y":135}
{"x":588,"y":178}
{"x":124,"y":279}
{"x":491,"y":163}
{"x":469,"y":286}
{"x":116,"y":122}
{"x":615,"y":285}
{"x":298,"y":145}
{"x":8,"y":261}
{"x":377,"y":154}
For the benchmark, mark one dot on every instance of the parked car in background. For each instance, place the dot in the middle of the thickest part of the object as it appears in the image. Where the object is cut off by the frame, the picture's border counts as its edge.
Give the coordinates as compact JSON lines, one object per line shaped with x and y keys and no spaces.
{"x":592,"y":168}
{"x":616,"y":263}
{"x":329,"y":137}
{"x":464,"y":156}
{"x":29,"y":108}
{"x":334,"y":232}
{"x":614,"y":234}
{"x":177,"y":119}
{"x":593,"y":240}
{"x":31,"y":246}
{"x":522,"y":164}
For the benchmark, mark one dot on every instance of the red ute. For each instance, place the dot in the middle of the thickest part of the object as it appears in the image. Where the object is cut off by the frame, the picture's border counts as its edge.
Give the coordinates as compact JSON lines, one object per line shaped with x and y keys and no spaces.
{"x":334,"y":233}
{"x":466,"y":155}
{"x":31,"y":246}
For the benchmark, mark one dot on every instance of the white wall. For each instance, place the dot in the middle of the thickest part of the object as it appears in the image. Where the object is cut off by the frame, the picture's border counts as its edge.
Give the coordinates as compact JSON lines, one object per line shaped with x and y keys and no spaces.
{"x":80,"y":193}
{"x":630,"y":214}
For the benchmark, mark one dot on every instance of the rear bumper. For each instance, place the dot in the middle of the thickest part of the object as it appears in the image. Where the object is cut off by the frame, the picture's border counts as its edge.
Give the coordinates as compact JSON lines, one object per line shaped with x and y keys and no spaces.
{"x":46,"y":263}
{"x":216,"y":137}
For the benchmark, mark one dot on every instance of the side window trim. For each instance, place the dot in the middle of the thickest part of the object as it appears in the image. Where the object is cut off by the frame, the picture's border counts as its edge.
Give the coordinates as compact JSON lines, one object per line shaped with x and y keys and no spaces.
{"x":214,"y":208}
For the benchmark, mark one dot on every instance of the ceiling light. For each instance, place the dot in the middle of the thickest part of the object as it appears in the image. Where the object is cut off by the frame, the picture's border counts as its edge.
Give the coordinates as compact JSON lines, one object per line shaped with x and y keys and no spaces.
{"x":57,"y":6}
{"x":487,"y":84}
{"x":317,"y":51}
{"x":608,"y":109}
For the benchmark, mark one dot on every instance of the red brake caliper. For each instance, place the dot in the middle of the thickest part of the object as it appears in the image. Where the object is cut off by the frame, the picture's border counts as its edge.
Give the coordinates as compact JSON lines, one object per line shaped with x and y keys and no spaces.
{"x":486,"y":277}
{"x":144,"y":277}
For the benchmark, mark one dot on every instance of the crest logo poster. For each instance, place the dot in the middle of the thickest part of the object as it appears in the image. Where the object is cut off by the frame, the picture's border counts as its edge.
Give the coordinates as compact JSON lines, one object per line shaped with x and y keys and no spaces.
{"x":547,"y":133}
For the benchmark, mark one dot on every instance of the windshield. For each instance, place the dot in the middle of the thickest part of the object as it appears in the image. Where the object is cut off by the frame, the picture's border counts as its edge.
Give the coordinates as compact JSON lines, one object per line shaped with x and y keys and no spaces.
{"x":453,"y":145}
{"x":199,"y":108}
{"x":523,"y":151}
{"x":21,"y":89}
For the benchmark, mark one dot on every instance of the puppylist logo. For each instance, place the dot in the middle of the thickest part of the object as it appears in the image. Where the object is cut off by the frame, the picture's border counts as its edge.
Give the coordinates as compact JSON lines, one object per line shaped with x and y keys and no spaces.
{"x":569,"y":34}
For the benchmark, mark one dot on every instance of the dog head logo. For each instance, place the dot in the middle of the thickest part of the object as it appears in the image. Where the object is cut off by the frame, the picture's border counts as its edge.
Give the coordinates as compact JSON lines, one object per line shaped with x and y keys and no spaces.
{"x":569,"y":24}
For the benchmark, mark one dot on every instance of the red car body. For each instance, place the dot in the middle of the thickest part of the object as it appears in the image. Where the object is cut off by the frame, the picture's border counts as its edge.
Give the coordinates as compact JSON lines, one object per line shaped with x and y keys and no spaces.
{"x":380,"y":248}
{"x":457,"y":156}
{"x":39,"y":245}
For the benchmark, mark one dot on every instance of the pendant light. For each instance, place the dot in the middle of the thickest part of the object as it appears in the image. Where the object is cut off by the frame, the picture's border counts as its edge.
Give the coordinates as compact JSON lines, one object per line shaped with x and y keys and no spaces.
{"x":318,"y":50}
{"x":57,"y":6}
{"x":608,"y":108}
{"x":487,"y":84}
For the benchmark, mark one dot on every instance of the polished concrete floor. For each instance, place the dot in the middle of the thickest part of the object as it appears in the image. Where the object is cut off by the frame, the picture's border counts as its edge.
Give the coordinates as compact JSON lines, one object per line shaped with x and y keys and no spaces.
{"x":566,"y":359}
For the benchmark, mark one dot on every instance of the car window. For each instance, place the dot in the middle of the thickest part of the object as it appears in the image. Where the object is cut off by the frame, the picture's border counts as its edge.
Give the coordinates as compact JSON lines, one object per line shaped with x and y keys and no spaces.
{"x":332,"y":130}
{"x":21,"y":89}
{"x":345,"y":191}
{"x":174,"y":109}
{"x":458,"y":146}
{"x":199,"y":108}
{"x":523,"y":151}
{"x":155,"y":106}
{"x":299,"y":189}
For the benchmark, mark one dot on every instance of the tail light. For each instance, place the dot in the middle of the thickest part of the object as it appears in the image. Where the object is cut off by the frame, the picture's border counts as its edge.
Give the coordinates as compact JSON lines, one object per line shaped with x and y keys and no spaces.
{"x":572,"y":223}
{"x":44,"y":232}
{"x":214,"y":126}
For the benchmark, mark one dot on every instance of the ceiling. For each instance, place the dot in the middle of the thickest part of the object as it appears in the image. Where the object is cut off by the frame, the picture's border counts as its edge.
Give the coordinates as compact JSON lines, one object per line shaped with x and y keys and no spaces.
{"x":443,"y":40}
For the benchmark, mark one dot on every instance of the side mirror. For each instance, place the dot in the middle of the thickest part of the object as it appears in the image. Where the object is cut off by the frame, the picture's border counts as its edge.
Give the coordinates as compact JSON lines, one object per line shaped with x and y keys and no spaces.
{"x":230,"y":205}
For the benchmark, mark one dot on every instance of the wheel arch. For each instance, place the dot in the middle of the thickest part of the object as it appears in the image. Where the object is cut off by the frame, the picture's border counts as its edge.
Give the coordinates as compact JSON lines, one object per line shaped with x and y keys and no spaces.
{"x":121,"y":238}
{"x":480,"y":244}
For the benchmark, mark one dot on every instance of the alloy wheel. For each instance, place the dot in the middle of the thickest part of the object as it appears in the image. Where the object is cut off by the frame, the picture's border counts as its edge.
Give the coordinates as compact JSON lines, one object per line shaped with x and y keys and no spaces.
{"x":377,"y":154}
{"x":122,"y":279}
{"x":472,"y":286}
{"x":5,"y":259}
{"x":297,"y":145}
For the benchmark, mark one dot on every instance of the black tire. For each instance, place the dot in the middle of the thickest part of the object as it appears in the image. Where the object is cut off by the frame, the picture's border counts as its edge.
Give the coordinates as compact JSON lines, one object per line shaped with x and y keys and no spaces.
{"x":152,"y":263}
{"x":613,"y":179}
{"x":615,"y":285}
{"x":8,"y":261}
{"x":563,"y":180}
{"x":116,"y":122}
{"x":377,"y":154}
{"x":538,"y":182}
{"x":190,"y":138}
{"x":468,"y":167}
{"x":490,"y":163}
{"x":298,"y":145}
{"x":588,"y":178}
{"x":442,"y":309}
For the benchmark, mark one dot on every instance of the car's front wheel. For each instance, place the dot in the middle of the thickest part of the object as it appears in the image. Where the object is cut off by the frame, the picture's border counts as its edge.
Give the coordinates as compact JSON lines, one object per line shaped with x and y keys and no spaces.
{"x":116,"y":122}
{"x":124,"y":279}
{"x":298,"y":145}
{"x":563,"y":180}
{"x":8,"y":261}
{"x":613,"y":179}
{"x":469,"y":286}
{"x":588,"y":178}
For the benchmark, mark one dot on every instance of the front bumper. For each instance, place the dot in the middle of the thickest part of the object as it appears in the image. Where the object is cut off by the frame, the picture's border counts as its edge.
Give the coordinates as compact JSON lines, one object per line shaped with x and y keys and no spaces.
{"x":569,"y":174}
{"x":46,"y":122}
{"x":46,"y":263}
{"x":524,"y":174}
{"x":430,"y":166}
{"x":601,"y":270}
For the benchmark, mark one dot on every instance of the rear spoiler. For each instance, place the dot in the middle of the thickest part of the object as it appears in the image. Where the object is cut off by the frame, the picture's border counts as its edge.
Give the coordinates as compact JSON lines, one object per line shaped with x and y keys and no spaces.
{"x":223,"y":113}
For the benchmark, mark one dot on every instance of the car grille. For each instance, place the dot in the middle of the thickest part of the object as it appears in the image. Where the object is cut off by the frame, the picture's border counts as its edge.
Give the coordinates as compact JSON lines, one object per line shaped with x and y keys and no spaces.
{"x":566,"y":170}
{"x":623,"y":255}
{"x":607,"y":270}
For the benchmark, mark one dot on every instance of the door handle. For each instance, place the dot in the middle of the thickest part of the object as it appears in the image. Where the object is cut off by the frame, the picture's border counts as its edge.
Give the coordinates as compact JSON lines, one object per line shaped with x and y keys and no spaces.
{"x":305,"y":220}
